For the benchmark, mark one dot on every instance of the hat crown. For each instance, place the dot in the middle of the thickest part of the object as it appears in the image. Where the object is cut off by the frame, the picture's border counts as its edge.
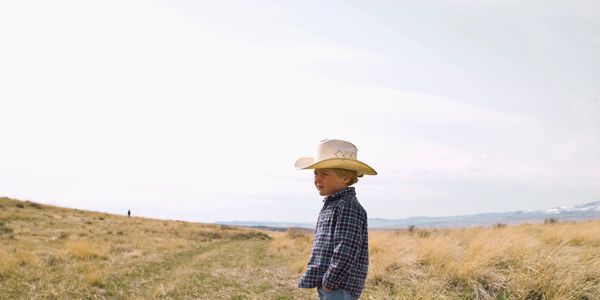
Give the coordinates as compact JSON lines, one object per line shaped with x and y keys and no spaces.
{"x":336,"y":149}
{"x":335,"y":154}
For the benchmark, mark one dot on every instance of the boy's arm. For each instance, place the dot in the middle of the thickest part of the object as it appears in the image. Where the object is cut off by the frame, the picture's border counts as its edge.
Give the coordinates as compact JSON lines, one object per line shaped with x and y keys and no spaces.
{"x":347,"y":240}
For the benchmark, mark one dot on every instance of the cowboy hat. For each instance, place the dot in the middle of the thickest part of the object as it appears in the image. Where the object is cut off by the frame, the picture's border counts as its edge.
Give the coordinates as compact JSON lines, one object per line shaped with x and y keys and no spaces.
{"x":336,"y":154}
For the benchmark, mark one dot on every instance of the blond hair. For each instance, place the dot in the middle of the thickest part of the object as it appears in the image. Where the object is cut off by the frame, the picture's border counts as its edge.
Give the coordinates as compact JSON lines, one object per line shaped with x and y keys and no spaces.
{"x":341,"y":173}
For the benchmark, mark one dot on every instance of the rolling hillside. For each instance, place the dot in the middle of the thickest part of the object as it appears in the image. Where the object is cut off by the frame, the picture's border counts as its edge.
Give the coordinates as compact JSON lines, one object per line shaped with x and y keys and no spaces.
{"x":49,"y":252}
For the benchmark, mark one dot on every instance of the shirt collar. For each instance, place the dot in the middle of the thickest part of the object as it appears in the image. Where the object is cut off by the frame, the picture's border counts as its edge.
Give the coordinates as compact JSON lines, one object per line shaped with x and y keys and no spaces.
{"x":341,"y":193}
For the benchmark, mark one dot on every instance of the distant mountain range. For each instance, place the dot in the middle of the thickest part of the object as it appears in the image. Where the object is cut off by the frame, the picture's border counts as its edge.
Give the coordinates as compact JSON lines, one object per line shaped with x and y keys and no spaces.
{"x":585,"y":211}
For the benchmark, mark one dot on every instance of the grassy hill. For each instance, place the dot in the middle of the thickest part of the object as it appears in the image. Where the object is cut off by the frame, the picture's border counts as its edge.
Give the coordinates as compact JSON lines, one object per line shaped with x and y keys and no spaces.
{"x":533,"y":262}
{"x":56,"y":253}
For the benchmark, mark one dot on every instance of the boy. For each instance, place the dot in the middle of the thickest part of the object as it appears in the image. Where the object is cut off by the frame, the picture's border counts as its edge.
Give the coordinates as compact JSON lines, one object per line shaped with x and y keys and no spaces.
{"x":340,"y":253}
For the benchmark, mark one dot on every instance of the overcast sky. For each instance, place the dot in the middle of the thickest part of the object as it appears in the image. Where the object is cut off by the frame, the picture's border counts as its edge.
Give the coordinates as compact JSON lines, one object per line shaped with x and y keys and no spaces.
{"x":197,"y":110}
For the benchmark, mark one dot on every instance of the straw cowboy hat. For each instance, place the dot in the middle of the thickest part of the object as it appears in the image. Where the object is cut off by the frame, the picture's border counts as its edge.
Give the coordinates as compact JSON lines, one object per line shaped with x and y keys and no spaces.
{"x":336,"y":154}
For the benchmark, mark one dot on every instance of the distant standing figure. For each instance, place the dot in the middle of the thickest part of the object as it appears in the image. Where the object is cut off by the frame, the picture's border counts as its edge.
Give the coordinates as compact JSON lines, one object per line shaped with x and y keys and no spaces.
{"x":129,"y":213}
{"x":339,"y":260}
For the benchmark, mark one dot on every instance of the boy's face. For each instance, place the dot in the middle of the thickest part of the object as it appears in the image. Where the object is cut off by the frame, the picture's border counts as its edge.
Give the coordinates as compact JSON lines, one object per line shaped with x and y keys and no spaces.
{"x":327,"y":182}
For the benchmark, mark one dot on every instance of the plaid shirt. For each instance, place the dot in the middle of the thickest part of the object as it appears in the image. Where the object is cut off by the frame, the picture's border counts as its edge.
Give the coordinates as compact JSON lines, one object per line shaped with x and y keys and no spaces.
{"x":340,"y":251}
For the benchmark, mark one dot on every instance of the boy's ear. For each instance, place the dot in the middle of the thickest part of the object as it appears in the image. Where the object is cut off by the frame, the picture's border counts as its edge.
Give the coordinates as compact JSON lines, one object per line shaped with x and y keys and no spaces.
{"x":347,"y":179}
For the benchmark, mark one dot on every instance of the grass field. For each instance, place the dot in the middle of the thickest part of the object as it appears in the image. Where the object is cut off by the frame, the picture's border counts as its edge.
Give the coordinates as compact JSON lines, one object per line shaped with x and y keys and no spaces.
{"x":544,"y":261}
{"x":48,"y":252}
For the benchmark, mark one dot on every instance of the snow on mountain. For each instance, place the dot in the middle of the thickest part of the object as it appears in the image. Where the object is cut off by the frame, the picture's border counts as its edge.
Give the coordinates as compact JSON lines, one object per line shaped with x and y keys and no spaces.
{"x":589,"y":206}
{"x":592,"y":206}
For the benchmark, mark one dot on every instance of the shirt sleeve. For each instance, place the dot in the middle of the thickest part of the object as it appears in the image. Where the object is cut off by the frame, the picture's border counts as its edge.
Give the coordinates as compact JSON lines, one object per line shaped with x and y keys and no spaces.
{"x":347,"y":240}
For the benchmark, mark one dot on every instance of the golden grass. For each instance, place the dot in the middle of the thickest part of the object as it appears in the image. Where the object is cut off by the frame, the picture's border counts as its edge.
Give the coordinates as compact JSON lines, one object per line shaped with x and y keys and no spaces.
{"x":296,"y":246}
{"x":7,"y":262}
{"x":553,"y":261}
{"x":48,"y":252}
{"x":55,"y":253}
{"x":86,"y":250}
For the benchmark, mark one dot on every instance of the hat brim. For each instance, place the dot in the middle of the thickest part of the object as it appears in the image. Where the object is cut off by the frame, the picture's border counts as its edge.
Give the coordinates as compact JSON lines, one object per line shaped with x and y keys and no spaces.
{"x":335,"y":163}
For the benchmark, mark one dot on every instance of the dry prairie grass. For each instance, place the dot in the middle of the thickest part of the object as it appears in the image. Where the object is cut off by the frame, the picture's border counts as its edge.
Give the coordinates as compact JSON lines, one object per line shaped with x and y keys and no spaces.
{"x":554,"y":261}
{"x":86,"y":250}
{"x":49,"y":252}
{"x":295,"y":245}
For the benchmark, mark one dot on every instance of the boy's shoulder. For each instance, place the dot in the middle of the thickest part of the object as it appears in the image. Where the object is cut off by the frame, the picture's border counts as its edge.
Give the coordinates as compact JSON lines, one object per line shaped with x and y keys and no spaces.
{"x":348,"y":203}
